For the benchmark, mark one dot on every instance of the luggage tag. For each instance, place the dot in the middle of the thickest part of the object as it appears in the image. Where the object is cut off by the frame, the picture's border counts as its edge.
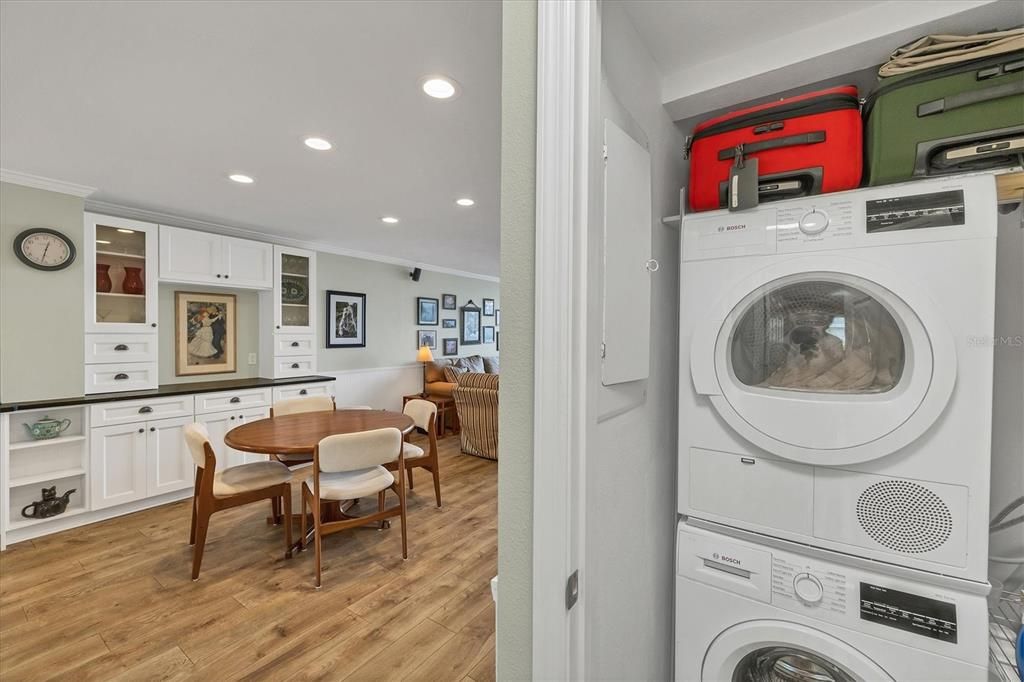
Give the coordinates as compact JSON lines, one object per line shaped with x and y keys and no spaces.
{"x":743,"y":183}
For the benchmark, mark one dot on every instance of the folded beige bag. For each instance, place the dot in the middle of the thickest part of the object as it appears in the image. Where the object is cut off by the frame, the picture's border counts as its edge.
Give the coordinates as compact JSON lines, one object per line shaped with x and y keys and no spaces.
{"x":932,"y":51}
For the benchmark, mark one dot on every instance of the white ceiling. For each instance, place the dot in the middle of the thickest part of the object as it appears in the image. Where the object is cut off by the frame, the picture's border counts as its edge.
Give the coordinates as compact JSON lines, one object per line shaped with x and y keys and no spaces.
{"x":154,"y":103}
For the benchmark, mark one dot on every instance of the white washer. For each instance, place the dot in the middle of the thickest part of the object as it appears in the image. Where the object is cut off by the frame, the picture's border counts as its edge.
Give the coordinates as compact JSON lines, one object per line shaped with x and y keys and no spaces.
{"x":836,"y":363}
{"x":746,"y":613}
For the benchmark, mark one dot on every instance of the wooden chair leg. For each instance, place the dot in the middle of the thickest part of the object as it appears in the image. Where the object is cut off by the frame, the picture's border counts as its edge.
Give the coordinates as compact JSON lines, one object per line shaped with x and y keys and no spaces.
{"x":302,"y":520}
{"x":401,"y":503}
{"x":202,"y":524}
{"x":380,"y":508}
{"x":412,"y":485}
{"x":437,"y":482}
{"x":317,"y":543}
{"x":286,"y":502}
{"x":195,"y":502}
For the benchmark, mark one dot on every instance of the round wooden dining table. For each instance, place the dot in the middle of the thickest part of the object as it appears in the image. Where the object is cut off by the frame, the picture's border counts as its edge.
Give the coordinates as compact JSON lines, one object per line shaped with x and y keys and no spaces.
{"x":298,"y":434}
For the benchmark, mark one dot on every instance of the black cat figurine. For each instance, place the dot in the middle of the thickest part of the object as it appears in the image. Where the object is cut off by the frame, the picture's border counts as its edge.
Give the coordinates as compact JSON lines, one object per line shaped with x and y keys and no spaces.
{"x":50,"y":505}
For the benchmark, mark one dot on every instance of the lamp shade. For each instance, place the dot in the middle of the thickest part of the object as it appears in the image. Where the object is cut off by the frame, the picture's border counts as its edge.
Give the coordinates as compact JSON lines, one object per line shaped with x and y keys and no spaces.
{"x":424,"y":355}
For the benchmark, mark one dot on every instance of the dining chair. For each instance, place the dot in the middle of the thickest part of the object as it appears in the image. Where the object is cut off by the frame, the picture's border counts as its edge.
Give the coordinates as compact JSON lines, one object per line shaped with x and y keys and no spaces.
{"x":349,"y":466}
{"x":311,"y":403}
{"x":231,"y":487}
{"x":424,"y":415}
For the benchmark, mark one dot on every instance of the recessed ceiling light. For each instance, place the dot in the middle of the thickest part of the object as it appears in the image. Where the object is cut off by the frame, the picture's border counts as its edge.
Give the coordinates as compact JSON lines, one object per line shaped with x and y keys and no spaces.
{"x":465,"y":201}
{"x":102,"y":241}
{"x":318,"y":143}
{"x":243,"y":179}
{"x":124,"y":231}
{"x":439,"y":87}
{"x":390,"y":220}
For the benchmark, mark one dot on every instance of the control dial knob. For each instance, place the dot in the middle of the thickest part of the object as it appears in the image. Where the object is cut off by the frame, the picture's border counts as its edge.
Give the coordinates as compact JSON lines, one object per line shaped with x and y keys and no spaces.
{"x":814,"y":222}
{"x":808,"y":588}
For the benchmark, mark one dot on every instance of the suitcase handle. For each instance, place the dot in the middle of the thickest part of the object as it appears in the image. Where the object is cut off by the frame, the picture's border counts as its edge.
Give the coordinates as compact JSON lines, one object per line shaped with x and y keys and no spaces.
{"x":776,"y":143}
{"x":965,"y":99}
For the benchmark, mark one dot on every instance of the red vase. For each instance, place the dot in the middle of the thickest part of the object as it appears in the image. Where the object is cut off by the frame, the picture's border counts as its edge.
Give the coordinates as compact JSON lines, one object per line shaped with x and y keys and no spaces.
{"x":103,"y":283}
{"x":133,"y":283}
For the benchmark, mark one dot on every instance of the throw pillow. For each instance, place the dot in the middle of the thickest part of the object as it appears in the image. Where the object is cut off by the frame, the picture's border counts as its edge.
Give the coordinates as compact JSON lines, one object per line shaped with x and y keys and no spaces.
{"x":452,"y":374}
{"x":491,"y":364}
{"x":473,"y":363}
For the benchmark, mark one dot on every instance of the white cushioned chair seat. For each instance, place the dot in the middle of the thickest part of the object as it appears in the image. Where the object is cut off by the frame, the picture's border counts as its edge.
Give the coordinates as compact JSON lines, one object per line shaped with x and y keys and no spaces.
{"x":248,"y":477}
{"x":412,"y":451}
{"x":351,"y":485}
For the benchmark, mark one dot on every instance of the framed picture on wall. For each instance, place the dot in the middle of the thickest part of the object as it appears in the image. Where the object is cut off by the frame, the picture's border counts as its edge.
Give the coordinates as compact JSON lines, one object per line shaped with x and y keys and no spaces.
{"x":448,"y":301}
{"x":470,"y":324}
{"x":204,"y":333}
{"x":488,"y":334}
{"x":426,"y":337}
{"x":426,"y":310}
{"x":346,"y":319}
{"x":497,"y":340}
{"x":451,"y":346}
{"x":449,"y":323}
{"x":488,"y":307}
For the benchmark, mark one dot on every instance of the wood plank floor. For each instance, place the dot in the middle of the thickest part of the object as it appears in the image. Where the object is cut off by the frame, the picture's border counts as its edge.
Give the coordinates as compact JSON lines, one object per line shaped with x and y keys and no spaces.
{"x":114,"y":600}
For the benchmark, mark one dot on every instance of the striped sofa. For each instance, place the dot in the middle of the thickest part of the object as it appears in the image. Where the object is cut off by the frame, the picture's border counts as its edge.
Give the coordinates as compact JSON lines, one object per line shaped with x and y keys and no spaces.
{"x":476,"y":400}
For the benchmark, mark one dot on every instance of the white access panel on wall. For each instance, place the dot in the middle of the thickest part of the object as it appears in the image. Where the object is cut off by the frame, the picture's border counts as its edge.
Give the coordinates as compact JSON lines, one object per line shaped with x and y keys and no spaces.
{"x":626,"y":318}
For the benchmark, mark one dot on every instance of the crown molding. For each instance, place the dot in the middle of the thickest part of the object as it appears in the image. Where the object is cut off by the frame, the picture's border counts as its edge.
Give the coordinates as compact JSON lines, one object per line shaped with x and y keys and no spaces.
{"x":121,"y":211}
{"x":49,"y":184}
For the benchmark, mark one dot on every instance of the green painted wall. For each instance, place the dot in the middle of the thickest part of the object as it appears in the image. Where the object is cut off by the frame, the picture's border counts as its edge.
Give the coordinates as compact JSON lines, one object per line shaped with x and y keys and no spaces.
{"x":515,"y":466}
{"x":391,"y":311}
{"x":41,"y":323}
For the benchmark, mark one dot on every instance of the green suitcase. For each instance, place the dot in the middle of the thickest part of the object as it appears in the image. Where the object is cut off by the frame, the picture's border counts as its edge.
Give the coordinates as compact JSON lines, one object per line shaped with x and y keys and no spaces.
{"x":954,"y":118}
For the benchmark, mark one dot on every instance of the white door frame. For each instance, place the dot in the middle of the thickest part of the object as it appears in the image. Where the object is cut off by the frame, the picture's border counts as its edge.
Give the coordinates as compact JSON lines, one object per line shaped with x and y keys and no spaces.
{"x":566,"y":68}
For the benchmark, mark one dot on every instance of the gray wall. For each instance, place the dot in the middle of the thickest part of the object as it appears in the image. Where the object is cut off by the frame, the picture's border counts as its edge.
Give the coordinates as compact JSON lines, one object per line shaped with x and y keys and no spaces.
{"x":391,"y":311}
{"x":246,"y":333}
{"x":515,"y":467}
{"x":631,"y":458}
{"x":41,"y":325}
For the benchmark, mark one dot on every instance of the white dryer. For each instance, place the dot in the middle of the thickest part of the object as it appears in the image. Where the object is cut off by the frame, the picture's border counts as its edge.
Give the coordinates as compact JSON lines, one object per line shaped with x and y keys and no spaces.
{"x":836,"y":363}
{"x":747,"y":613}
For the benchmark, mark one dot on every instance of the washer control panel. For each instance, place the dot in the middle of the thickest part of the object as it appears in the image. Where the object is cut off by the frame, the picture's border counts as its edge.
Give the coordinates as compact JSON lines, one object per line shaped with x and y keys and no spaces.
{"x":805,"y":584}
{"x":821,"y":224}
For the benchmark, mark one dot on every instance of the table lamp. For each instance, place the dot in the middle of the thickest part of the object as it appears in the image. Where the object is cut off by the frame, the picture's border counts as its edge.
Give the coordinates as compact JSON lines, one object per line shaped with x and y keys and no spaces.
{"x":424,"y":356}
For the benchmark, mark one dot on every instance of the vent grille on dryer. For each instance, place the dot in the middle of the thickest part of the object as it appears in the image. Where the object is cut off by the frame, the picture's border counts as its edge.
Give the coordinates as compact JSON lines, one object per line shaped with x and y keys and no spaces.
{"x":904,"y":516}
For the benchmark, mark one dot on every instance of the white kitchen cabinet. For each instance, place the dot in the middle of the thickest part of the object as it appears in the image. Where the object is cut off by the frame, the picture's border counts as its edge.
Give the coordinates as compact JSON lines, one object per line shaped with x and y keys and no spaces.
{"x":294,"y":290}
{"x":219,"y":423}
{"x":169,"y":464}
{"x":195,"y":257}
{"x":303,"y":390}
{"x":117,"y":464}
{"x":134,"y":461}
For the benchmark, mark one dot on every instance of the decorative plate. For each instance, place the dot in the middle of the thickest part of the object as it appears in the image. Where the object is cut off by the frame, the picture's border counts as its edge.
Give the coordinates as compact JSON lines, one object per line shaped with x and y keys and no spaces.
{"x":293,"y":290}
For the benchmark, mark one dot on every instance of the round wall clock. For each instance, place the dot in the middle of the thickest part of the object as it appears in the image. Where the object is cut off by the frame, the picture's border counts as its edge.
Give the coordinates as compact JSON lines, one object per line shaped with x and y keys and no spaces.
{"x":44,"y":249}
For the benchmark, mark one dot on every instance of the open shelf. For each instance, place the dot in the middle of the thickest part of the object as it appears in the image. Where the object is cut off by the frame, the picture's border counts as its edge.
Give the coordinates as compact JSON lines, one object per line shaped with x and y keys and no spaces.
{"x":295,"y":305}
{"x":59,"y":440}
{"x":46,"y":476}
{"x":294,"y":274}
{"x":22,"y":522}
{"x":113,"y":295}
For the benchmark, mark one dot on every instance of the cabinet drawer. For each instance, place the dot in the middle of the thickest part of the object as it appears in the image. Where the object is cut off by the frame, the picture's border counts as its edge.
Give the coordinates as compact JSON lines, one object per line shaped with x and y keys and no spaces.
{"x":297,"y":366}
{"x":293,"y":344}
{"x":128,"y":411}
{"x":300,"y":390}
{"x":110,"y":377}
{"x":231,"y":400}
{"x":119,"y":348}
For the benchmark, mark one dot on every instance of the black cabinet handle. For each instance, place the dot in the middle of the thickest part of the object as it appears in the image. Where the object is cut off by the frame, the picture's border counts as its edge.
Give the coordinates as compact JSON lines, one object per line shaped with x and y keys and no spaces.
{"x":295,"y":344}
{"x":226,"y":276}
{"x":120,"y":376}
{"x":232,"y":418}
{"x":153,"y":325}
{"x":145,"y":409}
{"x":295,"y":365}
{"x":120,"y":346}
{"x":142,"y":430}
{"x":218,"y":276}
{"x":241,"y":416}
{"x":236,"y":399}
{"x":303,"y":392}
{"x":152,"y":428}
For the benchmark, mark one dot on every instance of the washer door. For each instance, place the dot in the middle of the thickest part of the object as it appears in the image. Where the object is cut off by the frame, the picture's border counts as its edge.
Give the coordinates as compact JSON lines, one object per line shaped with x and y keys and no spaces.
{"x":826,"y":365}
{"x":779,"y":651}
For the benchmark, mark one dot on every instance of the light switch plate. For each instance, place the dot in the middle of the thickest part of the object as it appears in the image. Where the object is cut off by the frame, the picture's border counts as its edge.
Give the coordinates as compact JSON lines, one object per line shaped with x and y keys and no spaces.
{"x":252,"y":358}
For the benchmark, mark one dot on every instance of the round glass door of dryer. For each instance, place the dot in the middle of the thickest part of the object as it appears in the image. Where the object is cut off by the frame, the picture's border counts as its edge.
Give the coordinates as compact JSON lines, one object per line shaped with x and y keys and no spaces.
{"x":784,"y":664}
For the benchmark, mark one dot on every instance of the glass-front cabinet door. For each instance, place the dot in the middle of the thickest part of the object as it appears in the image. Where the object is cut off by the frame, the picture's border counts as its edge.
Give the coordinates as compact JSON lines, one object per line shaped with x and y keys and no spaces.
{"x":294,"y":290}
{"x":121,"y":274}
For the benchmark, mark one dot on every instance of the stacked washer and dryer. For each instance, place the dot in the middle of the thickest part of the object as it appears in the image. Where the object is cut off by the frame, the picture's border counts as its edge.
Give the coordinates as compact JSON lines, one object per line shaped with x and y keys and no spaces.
{"x":835,"y":411}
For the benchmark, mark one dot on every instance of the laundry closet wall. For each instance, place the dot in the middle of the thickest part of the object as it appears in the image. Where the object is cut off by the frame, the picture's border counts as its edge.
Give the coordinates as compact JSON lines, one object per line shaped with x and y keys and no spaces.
{"x":631,"y":456}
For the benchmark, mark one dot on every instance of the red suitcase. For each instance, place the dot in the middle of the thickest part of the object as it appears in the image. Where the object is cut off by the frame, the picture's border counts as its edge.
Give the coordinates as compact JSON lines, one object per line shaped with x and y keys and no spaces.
{"x":808,"y":144}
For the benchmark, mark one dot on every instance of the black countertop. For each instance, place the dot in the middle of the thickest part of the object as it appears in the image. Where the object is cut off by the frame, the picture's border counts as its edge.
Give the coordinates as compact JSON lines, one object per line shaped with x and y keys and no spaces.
{"x":162,"y":391}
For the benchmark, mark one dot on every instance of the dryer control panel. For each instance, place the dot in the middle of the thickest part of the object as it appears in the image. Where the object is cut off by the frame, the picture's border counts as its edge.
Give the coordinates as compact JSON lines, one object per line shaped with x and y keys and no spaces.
{"x":804,"y":583}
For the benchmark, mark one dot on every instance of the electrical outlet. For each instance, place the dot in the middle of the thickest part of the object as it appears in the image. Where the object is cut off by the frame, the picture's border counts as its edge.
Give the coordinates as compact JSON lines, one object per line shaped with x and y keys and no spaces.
{"x":252,"y":358}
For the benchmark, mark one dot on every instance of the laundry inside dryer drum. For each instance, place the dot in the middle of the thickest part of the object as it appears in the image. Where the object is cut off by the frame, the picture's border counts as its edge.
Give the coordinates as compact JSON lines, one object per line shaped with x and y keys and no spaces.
{"x":780,"y":664}
{"x":819,"y":336}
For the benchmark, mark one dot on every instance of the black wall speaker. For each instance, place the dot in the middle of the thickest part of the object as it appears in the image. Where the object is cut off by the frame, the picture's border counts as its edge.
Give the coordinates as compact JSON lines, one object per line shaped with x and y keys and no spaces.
{"x":415,"y":274}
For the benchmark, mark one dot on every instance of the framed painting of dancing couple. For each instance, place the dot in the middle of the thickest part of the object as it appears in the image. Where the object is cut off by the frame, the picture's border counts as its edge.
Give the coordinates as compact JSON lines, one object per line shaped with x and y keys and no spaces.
{"x":204,"y":333}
